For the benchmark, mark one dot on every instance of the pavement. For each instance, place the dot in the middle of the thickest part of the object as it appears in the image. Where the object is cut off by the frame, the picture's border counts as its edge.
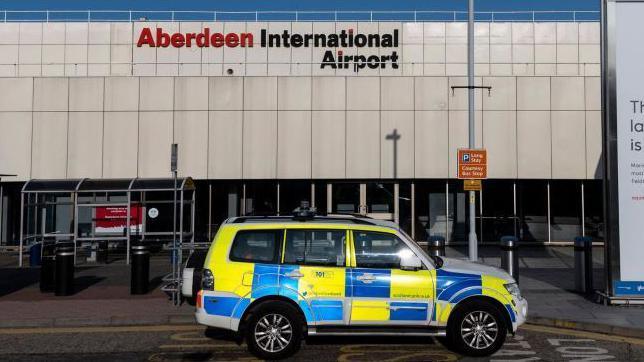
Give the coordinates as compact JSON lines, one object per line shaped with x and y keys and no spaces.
{"x":102,"y":295}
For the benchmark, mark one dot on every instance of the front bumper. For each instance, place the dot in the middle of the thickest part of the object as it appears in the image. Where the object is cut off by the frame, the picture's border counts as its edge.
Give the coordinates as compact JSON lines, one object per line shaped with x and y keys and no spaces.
{"x":521,"y":312}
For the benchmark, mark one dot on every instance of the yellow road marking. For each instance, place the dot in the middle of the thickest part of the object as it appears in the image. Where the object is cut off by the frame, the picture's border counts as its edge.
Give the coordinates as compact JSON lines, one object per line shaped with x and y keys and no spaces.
{"x":575,"y":333}
{"x":107,"y":329}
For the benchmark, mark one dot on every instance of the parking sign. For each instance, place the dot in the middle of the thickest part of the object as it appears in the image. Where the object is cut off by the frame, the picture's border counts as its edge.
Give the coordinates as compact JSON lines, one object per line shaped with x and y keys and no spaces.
{"x":472,"y":164}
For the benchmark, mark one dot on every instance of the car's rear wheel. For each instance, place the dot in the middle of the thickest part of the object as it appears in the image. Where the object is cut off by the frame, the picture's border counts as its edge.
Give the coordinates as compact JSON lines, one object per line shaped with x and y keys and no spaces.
{"x":477,"y":329}
{"x":274,"y":331}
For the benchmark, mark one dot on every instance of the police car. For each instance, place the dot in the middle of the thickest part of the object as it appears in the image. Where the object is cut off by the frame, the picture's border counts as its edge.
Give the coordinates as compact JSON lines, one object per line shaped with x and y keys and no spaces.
{"x":277,"y":280}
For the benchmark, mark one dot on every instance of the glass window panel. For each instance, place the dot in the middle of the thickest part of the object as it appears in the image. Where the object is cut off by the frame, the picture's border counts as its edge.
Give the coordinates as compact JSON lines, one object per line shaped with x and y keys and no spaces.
{"x":315,"y":247}
{"x":259,"y":246}
{"x":378,"y":250}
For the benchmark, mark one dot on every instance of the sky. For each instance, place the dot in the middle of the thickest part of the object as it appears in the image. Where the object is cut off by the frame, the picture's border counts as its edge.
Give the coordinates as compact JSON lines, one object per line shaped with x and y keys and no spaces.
{"x":278,"y":5}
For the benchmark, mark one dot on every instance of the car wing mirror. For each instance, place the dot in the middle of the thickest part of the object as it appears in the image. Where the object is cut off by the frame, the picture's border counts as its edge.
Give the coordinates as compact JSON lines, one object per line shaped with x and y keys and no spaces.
{"x":410,"y":262}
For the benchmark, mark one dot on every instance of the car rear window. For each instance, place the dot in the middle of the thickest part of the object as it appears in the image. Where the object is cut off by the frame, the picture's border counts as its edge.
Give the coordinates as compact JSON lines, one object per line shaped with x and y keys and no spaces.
{"x":256,"y":246}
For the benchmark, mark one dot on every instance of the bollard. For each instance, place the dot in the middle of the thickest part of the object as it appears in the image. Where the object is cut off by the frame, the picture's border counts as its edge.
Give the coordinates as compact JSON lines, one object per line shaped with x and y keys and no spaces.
{"x":101,"y":252}
{"x":436,"y":245}
{"x":47,"y":267}
{"x":64,"y":269}
{"x":35,"y":252}
{"x":510,"y":256}
{"x":584,"y":264}
{"x":140,"y":269}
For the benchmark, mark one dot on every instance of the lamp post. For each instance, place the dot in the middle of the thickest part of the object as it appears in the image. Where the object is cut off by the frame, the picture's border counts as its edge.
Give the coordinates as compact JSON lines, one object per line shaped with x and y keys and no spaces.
{"x":472,"y":241}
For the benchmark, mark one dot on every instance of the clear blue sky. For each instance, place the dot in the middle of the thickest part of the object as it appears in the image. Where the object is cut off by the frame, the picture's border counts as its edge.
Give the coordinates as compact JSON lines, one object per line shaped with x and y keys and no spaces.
{"x":252,"y":5}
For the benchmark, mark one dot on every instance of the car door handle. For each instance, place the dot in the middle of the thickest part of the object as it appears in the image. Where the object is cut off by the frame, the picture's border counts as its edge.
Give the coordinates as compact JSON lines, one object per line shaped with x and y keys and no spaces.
{"x":294,"y":274}
{"x":366,"y":278}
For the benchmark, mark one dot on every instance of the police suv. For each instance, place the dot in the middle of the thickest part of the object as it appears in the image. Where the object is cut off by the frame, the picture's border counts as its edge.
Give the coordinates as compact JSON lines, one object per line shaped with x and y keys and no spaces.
{"x":276,"y":280}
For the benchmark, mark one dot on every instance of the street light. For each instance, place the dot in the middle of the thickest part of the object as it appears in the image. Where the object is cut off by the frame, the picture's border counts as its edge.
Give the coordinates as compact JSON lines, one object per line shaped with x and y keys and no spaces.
{"x":472,"y":241}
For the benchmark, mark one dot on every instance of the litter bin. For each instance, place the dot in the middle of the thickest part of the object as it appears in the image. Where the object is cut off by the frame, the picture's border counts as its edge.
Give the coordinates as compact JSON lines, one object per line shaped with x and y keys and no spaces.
{"x":101,"y":252}
{"x":584,"y":264}
{"x":64,"y":268}
{"x":436,"y":245}
{"x":140,"y":269}
{"x":47,"y":267}
{"x":35,"y":254}
{"x":510,"y":255}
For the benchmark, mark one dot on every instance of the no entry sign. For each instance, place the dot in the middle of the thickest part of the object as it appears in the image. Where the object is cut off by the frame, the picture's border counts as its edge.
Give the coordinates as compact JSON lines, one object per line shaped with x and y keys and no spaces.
{"x":472,"y":164}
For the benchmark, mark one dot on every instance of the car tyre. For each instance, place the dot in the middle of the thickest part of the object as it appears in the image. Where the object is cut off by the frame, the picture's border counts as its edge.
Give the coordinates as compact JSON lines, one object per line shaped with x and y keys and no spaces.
{"x":274,"y":331}
{"x":477,"y":329}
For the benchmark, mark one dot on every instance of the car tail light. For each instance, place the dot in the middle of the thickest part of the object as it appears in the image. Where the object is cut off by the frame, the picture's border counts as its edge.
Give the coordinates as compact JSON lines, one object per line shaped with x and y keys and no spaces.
{"x":207,"y":280}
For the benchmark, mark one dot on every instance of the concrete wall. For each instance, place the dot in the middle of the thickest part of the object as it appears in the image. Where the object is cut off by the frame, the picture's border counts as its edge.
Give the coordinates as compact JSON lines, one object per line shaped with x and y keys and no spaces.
{"x":295,"y":127}
{"x":429,"y":49}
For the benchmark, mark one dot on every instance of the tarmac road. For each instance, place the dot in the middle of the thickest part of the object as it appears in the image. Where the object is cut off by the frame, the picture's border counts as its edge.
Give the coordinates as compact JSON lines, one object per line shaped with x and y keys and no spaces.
{"x":181,"y":343}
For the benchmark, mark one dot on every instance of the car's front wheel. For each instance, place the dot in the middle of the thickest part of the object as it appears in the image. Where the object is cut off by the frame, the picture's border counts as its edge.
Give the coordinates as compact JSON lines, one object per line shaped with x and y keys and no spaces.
{"x":274,"y":331}
{"x":477,"y":329}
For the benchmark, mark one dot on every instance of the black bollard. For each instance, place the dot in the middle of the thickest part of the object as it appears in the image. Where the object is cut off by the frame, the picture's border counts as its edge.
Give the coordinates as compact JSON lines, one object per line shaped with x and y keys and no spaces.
{"x":140,"y":269}
{"x":584,"y":264}
{"x":510,"y":256}
{"x":47,"y":267}
{"x":64,"y":268}
{"x":436,"y":245}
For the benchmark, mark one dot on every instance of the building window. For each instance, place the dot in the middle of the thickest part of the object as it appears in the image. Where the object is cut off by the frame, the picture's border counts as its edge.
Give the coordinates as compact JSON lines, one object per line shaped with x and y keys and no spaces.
{"x":292,"y":193}
{"x":498,"y":210}
{"x":430,"y":208}
{"x":565,"y":210}
{"x":380,"y":198}
{"x":346,"y":198}
{"x":261,"y":198}
{"x":594,"y":209}
{"x":532,"y":207}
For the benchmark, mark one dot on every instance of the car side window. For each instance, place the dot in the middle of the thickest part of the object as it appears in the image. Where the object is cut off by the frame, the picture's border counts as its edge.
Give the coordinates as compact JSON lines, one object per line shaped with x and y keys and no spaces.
{"x":256,"y":246}
{"x":378,"y":250}
{"x":315,"y":247}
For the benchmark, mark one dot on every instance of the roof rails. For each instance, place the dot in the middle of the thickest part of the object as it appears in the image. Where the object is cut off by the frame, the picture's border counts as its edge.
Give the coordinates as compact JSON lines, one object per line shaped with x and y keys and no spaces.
{"x":316,"y":218}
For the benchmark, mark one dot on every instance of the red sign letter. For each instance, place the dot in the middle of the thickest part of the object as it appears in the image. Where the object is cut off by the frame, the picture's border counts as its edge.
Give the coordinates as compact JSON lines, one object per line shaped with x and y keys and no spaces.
{"x":146,"y":38}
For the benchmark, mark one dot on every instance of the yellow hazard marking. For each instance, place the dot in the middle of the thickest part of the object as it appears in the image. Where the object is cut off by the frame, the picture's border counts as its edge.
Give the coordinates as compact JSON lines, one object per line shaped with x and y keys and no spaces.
{"x":369,"y":310}
{"x":322,"y":282}
{"x":106,"y":329}
{"x":411,"y":284}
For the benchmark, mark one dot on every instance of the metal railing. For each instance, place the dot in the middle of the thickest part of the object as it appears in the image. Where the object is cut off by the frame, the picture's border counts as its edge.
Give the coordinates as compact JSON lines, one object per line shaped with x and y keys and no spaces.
{"x":332,"y":16}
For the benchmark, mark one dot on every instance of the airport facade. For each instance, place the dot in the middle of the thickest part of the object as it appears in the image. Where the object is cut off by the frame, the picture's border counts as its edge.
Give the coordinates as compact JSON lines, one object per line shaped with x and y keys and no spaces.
{"x":354,"y":117}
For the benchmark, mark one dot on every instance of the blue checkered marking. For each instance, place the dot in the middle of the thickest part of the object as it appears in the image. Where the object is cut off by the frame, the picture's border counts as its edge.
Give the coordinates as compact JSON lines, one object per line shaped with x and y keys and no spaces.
{"x":288,"y":286}
{"x":222,"y":306}
{"x":513,"y":317}
{"x":448,"y":284}
{"x":265,"y":280}
{"x":379,"y":288}
{"x":327,"y":310}
{"x":418,"y":313}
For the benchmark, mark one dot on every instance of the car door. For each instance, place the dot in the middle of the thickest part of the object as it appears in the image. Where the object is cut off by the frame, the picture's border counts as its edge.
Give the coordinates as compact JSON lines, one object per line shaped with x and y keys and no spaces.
{"x":313,"y":266}
{"x":383,"y":293}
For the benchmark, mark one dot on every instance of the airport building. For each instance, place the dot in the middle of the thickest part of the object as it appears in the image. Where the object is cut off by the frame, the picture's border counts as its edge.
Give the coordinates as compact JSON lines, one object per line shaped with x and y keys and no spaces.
{"x":353,"y":116}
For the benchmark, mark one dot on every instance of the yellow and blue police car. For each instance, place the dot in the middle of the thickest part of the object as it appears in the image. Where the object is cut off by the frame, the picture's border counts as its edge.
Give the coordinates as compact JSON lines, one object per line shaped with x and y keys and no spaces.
{"x":277,"y":280}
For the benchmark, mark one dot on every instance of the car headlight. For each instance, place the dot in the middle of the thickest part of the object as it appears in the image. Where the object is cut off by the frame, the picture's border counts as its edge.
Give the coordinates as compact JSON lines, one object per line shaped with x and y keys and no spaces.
{"x":207,"y":280}
{"x":513,"y":289}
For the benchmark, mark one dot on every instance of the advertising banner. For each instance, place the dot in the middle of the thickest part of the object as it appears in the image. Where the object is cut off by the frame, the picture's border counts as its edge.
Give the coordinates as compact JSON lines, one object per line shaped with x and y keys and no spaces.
{"x":113,"y":219}
{"x":629,"y":104}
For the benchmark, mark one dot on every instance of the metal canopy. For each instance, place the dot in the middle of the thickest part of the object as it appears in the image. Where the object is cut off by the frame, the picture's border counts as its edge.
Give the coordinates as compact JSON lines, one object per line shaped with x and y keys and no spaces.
{"x":40,"y":197}
{"x":108,"y":185}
